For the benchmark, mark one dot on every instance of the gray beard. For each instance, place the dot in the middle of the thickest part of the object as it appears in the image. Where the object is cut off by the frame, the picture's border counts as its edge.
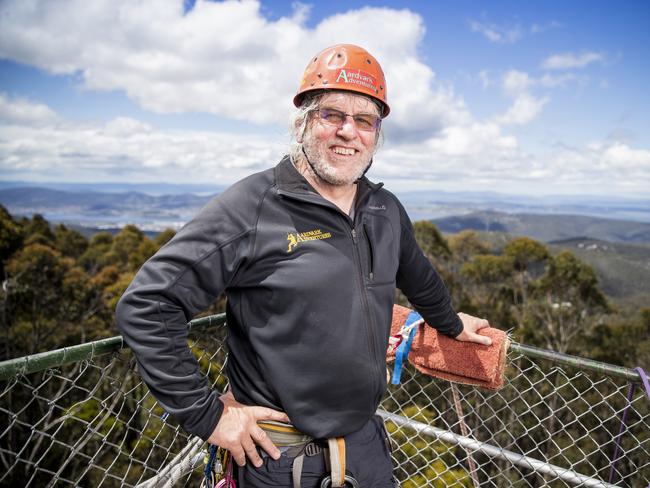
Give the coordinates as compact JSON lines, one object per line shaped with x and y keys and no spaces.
{"x":327,"y":173}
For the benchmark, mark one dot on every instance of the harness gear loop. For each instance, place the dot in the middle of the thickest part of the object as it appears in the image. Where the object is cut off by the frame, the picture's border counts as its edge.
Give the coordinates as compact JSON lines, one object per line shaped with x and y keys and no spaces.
{"x":336,"y":448}
{"x":327,"y":482}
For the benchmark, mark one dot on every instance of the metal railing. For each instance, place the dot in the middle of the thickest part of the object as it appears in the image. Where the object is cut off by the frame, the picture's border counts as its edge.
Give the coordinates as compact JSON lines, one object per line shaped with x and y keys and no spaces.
{"x":81,"y":416}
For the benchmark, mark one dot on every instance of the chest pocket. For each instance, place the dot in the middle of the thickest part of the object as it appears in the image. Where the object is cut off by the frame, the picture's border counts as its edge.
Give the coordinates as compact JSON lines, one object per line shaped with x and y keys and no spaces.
{"x":381,"y":249}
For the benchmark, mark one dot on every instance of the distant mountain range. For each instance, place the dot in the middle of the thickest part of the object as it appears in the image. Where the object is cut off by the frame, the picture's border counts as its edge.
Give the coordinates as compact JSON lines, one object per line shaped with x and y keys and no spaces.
{"x":147,"y":188}
{"x":544,"y":218}
{"x":548,"y":228}
{"x":104,"y":209}
{"x":426,"y":205}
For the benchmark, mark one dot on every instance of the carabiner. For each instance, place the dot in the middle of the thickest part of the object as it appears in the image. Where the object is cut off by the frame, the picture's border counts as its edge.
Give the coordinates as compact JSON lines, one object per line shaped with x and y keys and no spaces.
{"x":327,"y":482}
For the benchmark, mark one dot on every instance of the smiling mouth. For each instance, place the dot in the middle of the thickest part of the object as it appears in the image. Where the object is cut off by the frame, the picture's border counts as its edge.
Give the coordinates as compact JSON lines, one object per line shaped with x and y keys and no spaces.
{"x":344,"y":151}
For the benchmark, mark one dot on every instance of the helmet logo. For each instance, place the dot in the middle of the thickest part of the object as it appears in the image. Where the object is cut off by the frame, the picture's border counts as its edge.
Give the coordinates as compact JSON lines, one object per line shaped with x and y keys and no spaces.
{"x":358,"y":77}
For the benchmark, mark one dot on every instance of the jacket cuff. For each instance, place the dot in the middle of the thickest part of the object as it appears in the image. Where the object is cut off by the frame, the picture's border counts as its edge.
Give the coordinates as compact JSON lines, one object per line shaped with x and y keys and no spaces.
{"x":457,"y":328}
{"x":204,"y":426}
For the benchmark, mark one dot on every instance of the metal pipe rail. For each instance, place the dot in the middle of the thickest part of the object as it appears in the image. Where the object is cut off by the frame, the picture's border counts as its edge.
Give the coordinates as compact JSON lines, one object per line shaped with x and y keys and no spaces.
{"x":495,"y":452}
{"x":81,"y":352}
{"x":89,"y":350}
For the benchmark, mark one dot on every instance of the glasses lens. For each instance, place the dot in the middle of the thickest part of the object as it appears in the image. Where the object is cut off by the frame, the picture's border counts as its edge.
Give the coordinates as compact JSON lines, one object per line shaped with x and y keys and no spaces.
{"x":366,"y":122}
{"x":331,"y":116}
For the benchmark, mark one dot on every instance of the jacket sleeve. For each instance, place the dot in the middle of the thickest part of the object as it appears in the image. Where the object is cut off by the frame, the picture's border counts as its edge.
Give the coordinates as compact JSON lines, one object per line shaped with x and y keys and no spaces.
{"x":422,"y":285}
{"x":179,"y":281}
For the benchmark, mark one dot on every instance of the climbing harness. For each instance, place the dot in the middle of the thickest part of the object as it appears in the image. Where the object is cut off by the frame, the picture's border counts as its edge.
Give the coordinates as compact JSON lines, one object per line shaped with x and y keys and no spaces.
{"x":218,"y":469}
{"x":298,"y":445}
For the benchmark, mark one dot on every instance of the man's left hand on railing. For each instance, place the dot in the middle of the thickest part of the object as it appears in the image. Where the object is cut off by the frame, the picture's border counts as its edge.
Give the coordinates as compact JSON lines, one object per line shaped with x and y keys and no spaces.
{"x":471,"y":325}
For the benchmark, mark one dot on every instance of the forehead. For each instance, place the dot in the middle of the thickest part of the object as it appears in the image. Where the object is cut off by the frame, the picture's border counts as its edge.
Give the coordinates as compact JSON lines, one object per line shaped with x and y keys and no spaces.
{"x":349,"y":103}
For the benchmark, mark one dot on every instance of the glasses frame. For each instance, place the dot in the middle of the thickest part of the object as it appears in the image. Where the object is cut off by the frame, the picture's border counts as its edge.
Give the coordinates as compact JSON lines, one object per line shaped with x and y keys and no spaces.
{"x":322,"y":115}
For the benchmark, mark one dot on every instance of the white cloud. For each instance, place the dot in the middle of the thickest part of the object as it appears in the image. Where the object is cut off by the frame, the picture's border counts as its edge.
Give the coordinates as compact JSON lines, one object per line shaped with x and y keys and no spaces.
{"x":123,"y":149}
{"x":496,"y":33}
{"x":21,"y":110}
{"x":562,"y":80}
{"x":525,"y":107}
{"x":523,"y":110}
{"x":470,"y":156}
{"x":571,"y":60}
{"x":609,"y":165}
{"x":516,"y":82}
{"x":509,"y":34}
{"x":223,"y":58}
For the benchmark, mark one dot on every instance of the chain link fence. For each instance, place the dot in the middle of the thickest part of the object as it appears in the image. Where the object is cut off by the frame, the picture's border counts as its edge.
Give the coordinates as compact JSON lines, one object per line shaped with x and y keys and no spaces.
{"x":82,"y":417}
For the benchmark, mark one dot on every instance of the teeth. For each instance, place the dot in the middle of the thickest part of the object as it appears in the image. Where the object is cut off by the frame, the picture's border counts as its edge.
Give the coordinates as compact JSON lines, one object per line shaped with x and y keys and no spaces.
{"x":344,"y":150}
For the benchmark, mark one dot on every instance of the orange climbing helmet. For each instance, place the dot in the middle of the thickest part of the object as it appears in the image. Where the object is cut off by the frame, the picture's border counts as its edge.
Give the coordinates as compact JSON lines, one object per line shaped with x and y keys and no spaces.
{"x":344,"y":67}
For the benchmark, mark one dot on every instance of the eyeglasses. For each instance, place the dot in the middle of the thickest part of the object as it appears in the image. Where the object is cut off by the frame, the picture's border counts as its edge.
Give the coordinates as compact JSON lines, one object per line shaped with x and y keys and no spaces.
{"x":365,"y":122}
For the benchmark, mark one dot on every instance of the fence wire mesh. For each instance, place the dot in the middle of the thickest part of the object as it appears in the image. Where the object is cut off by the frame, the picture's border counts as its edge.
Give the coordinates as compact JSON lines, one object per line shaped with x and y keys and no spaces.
{"x":93,"y":422}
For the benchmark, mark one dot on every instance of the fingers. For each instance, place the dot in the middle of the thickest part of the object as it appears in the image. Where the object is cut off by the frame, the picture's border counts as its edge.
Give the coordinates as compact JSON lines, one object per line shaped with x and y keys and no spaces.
{"x":262,"y":440}
{"x":481,"y":339}
{"x":263,"y":413}
{"x":238,"y":454}
{"x":251,"y":452}
{"x":482,"y":324}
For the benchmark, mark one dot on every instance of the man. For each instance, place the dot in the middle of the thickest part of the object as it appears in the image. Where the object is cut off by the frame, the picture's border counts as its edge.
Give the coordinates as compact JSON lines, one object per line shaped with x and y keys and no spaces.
{"x":309,"y":254}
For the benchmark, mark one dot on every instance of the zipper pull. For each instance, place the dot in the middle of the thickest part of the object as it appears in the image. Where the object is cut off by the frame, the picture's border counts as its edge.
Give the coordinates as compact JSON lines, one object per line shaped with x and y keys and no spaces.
{"x":354,"y":236}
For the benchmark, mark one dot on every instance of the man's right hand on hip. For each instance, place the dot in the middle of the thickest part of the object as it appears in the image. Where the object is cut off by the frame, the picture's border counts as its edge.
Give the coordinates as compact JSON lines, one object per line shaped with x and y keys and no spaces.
{"x":238,"y":432}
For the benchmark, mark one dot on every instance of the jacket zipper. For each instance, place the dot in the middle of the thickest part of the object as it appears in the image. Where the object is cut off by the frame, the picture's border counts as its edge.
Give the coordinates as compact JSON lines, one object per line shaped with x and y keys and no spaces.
{"x":371,"y":256}
{"x":364,"y":298}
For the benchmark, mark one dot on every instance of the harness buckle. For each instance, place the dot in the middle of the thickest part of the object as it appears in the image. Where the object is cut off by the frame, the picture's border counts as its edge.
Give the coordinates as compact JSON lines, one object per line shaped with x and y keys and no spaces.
{"x":312,"y":449}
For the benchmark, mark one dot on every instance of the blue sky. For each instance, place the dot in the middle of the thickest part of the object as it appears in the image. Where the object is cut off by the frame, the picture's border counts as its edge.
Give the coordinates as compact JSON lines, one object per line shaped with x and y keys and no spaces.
{"x":515,"y":97}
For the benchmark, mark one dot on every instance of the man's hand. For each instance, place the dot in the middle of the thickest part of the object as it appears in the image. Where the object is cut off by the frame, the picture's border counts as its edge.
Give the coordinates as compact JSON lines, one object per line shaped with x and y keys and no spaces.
{"x":471,"y":325}
{"x":238,"y":431}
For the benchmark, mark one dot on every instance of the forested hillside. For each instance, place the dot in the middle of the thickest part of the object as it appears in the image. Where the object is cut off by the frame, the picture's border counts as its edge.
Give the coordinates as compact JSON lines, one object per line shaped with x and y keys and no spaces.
{"x":60,"y":288}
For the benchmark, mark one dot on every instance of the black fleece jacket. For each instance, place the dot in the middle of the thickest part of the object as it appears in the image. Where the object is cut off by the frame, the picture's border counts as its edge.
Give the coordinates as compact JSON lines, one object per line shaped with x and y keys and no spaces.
{"x":309,"y":302}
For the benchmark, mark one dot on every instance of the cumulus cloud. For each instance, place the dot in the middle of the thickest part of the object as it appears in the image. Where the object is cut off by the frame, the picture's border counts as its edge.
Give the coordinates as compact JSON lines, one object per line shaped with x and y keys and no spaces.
{"x":524,"y":109}
{"x":471,"y":156}
{"x":571,"y":60}
{"x":610,"y":165}
{"x":21,"y":110}
{"x":496,"y":33}
{"x":223,"y":58}
{"x":227,"y":59}
{"x":123,"y":149}
{"x":525,"y":106}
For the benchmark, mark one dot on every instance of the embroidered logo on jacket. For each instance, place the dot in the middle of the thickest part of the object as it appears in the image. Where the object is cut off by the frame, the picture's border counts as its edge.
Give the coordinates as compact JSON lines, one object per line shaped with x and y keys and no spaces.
{"x":311,"y":235}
